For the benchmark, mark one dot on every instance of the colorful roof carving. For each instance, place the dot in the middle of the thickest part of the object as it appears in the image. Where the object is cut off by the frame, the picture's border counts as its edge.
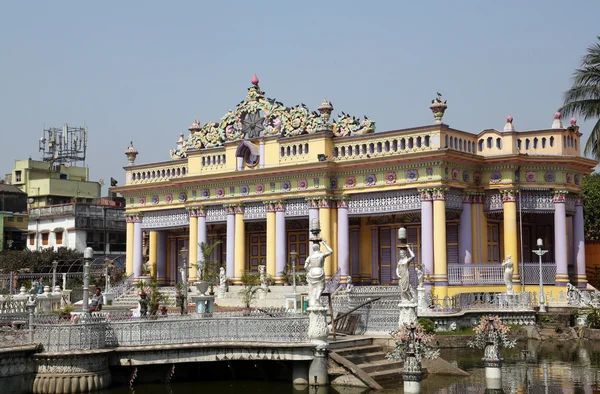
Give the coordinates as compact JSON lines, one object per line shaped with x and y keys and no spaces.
{"x":259,"y":116}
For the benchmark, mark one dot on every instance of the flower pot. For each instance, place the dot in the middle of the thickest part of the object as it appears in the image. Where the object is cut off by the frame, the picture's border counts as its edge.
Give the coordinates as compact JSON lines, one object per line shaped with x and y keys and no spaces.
{"x":202,"y":286}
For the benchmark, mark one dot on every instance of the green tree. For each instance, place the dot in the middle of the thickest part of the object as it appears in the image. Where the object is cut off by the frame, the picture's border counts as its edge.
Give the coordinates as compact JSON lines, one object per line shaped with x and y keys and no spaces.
{"x":583,"y":97}
{"x":591,"y":206}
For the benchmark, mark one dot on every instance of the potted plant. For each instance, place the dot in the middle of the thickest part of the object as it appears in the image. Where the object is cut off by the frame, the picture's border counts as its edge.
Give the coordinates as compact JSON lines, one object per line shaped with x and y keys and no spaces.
{"x":251,"y":283}
{"x":150,"y":298}
{"x":206,"y":268}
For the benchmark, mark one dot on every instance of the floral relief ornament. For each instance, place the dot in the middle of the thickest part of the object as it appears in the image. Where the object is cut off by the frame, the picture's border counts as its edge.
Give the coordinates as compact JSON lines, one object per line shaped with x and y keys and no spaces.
{"x":286,"y":186}
{"x":244,"y":190}
{"x":454,"y":174}
{"x":205,"y":193}
{"x":259,"y":188}
{"x":182,"y":197}
{"x":390,"y":178}
{"x":531,"y":176}
{"x":350,"y":181}
{"x":370,"y":180}
{"x":302,"y":184}
{"x":155,"y":200}
{"x":477,"y":178}
{"x":142,"y":201}
{"x":549,"y":176}
{"x":220,"y":192}
{"x":465,"y":176}
{"x":412,"y":175}
{"x":169,"y":198}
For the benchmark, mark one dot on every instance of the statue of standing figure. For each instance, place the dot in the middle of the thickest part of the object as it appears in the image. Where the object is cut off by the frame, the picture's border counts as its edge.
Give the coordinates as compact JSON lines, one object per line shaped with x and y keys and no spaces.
{"x":508,"y":274}
{"x":314,"y":266}
{"x":420,"y":277}
{"x":406,"y":293}
{"x":262,"y":272}
{"x":222,"y":277}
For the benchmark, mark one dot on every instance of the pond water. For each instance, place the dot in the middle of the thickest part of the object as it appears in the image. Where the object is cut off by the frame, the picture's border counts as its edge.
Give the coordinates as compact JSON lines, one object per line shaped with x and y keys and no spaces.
{"x":532,"y":367}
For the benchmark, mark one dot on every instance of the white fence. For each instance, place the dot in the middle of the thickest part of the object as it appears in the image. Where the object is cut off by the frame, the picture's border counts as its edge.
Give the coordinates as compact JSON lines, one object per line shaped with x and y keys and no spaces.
{"x":493,"y":274}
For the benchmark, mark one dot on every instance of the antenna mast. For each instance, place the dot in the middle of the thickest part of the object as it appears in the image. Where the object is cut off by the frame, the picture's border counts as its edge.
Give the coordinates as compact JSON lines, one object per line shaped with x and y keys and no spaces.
{"x":64,"y":146}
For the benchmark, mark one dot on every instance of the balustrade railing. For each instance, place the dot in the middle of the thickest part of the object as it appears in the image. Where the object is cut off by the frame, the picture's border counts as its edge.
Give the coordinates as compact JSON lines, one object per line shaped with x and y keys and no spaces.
{"x":493,"y":273}
{"x":120,"y":288}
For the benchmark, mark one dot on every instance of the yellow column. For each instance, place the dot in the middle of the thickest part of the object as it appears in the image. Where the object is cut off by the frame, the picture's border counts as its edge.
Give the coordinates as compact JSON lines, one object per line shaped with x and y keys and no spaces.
{"x":334,"y":240}
{"x":271,"y":240}
{"x":193,"y":246}
{"x":153,"y":252}
{"x":168,"y":278}
{"x":129,"y":247}
{"x":364,"y":250}
{"x":325,"y":219}
{"x":510,"y":233}
{"x":440,"y":260}
{"x":240,"y":243}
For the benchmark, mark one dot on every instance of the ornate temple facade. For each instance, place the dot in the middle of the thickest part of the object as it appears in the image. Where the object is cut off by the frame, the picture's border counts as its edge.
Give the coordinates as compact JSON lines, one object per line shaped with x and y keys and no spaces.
{"x":256,"y":179}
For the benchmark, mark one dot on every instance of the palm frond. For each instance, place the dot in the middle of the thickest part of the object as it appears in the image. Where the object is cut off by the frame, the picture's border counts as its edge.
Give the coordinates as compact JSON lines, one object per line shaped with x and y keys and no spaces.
{"x":592,"y":145}
{"x":589,"y":109}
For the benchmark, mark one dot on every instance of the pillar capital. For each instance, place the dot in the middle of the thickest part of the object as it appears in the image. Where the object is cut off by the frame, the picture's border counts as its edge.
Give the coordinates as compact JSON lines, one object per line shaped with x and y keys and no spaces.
{"x":196,"y":212}
{"x":439,"y":193}
{"x":467,"y":198}
{"x":275,"y":205}
{"x":425,"y":194}
{"x":477,"y":197}
{"x":327,"y":202}
{"x":231,"y":209}
{"x":559,"y":196}
{"x":579,"y":199}
{"x":342,"y":202}
{"x":134,"y":218}
{"x":313,"y":202}
{"x":509,"y":195}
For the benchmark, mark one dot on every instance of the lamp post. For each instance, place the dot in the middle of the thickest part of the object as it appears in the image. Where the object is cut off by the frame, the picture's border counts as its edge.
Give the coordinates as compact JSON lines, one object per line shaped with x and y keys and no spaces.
{"x":106,"y":276}
{"x":540,"y":253}
{"x":293,"y":256}
{"x":184,"y":270}
{"x":54,"y":266}
{"x":88,"y":255}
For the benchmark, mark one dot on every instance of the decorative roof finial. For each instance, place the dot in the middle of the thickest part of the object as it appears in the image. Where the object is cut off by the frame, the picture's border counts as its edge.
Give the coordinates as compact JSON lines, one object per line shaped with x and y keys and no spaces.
{"x":325,"y":110}
{"x":438,"y":107}
{"x":131,"y":153}
{"x":557,"y":124}
{"x":195,"y":127}
{"x":573,"y":122}
{"x":509,"y":124}
{"x":254,"y":80}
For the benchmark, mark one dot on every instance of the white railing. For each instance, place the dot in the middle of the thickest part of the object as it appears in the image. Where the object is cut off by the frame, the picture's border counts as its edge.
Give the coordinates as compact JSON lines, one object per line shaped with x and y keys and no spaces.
{"x":493,"y":273}
{"x":475,"y":274}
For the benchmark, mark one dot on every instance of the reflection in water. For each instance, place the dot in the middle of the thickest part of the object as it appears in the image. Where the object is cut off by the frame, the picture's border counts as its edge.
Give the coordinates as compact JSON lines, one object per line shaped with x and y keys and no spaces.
{"x":533,"y":367}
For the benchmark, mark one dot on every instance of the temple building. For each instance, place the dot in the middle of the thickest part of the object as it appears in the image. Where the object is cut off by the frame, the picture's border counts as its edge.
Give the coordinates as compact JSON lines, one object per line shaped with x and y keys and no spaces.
{"x":257,"y":178}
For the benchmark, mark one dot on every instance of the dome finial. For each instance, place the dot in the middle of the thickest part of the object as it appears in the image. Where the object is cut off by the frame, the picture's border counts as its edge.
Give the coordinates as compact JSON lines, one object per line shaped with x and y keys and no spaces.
{"x":557,"y":123}
{"x":509,"y":124}
{"x":254,"y":80}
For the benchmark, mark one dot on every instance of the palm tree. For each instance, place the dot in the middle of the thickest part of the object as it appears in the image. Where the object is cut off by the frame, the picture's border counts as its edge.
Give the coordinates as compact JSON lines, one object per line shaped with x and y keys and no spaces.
{"x":584,"y":96}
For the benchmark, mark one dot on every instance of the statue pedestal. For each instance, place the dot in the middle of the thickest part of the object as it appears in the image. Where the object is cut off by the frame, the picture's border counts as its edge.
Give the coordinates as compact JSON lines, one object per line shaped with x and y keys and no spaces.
{"x":422,"y":305}
{"x":317,"y":325}
{"x":293,"y":302}
{"x":408,"y":312}
{"x":204,"y":303}
{"x":221,"y":290}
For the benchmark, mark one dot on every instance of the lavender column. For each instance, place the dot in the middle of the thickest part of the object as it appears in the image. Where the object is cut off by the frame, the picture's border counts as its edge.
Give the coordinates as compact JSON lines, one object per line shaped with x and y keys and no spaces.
{"x":230,"y":242}
{"x":161,"y":257}
{"x":280,"y":238}
{"x":343,"y":239}
{"x":579,"y":244}
{"x":465,"y":240}
{"x":137,"y":247}
{"x":560,"y":239}
{"x":427,"y":232}
{"x":202,"y":234}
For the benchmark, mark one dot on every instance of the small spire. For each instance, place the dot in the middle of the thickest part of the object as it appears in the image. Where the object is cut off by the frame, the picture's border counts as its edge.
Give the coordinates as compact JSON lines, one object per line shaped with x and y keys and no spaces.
{"x":509,"y":124}
{"x":573,"y":122}
{"x":131,"y":153}
{"x":557,"y":124}
{"x":254,"y":80}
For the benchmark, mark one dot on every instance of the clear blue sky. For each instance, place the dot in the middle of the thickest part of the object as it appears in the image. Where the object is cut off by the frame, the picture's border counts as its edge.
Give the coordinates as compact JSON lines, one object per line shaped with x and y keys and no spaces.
{"x":143,"y":70}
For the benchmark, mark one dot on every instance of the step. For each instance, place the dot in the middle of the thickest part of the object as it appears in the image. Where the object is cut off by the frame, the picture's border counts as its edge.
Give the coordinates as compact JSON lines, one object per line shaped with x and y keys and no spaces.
{"x":355,"y":350}
{"x":381,"y":365}
{"x":364,"y":358}
{"x":388,"y":374}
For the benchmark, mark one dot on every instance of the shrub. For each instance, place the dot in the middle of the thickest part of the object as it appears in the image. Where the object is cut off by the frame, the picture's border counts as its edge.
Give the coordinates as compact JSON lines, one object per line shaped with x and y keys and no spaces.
{"x":427,"y":324}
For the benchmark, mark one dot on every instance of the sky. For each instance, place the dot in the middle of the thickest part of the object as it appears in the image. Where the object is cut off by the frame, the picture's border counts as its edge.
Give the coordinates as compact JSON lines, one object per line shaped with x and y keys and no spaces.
{"x":142,"y":71}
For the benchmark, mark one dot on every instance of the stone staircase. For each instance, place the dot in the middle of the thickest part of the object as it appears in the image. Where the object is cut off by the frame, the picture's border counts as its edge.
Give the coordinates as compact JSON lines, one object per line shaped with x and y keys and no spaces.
{"x":364,"y":360}
{"x":130,"y":297}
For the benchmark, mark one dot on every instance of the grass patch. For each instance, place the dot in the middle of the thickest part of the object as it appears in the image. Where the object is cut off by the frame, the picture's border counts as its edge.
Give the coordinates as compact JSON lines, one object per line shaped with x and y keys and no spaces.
{"x":460,"y":331}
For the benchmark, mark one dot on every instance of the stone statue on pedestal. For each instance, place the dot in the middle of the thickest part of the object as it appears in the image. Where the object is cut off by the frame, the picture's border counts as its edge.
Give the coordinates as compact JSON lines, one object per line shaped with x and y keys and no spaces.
{"x":406,"y":293}
{"x":420,"y":277}
{"x":222,"y":277}
{"x":508,"y":274}
{"x":262,"y":272}
{"x":315,"y":276}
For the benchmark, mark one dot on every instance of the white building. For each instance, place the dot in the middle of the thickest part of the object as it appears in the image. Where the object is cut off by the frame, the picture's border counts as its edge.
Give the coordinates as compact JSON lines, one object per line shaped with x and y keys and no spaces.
{"x":76,"y":226}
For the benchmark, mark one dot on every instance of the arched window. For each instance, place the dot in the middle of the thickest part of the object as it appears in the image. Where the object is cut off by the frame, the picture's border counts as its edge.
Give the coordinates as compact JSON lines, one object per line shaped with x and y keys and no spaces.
{"x":535,"y":143}
{"x":481,"y":145}
{"x":418,"y":142}
{"x":335,"y":152}
{"x":499,"y":143}
{"x":519,"y":144}
{"x":451,"y":142}
{"x":460,"y":144}
{"x":543,"y":143}
{"x":527,"y":143}
{"x":551,"y":142}
{"x":427,"y":140}
{"x":490,"y":142}
{"x":446,"y":142}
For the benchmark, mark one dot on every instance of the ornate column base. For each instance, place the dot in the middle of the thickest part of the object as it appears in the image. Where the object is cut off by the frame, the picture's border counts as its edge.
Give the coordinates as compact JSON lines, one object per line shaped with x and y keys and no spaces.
{"x":412,"y":374}
{"x":318,"y":331}
{"x":221,"y":290}
{"x":79,"y":373}
{"x":317,"y":373}
{"x":408,"y":312}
